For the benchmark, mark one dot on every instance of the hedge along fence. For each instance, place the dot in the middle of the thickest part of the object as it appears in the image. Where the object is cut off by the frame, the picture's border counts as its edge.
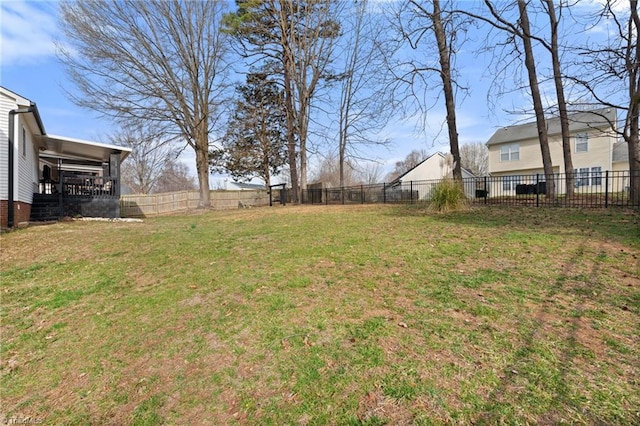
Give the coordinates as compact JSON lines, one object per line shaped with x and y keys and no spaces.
{"x":144,"y":205}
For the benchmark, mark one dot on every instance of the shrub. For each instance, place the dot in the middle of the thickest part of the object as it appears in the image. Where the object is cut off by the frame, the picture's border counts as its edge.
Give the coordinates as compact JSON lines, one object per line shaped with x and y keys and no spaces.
{"x":448,"y":195}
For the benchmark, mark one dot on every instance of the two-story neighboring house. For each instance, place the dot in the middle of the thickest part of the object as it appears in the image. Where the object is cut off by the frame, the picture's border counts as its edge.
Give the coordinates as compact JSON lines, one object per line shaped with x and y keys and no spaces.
{"x":514,"y":151}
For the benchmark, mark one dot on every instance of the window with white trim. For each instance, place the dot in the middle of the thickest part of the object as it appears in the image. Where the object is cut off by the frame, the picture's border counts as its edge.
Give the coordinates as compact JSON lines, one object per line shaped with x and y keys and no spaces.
{"x":586,"y":176}
{"x":596,"y":176}
{"x":509,"y":182}
{"x":581,"y":176}
{"x":510,"y":152}
{"x":582,"y":142}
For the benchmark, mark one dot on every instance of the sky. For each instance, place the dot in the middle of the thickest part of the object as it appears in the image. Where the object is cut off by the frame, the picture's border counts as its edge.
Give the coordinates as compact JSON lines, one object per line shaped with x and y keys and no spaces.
{"x":29,"y":67}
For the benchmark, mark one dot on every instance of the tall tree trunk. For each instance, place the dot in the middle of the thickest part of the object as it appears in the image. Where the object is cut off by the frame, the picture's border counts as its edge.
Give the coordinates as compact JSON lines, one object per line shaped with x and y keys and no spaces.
{"x":202,"y":165}
{"x":537,"y":99}
{"x":291,"y":142}
{"x":634,"y":163}
{"x":562,"y":104}
{"x":345,"y":103}
{"x":266,"y":172}
{"x":346,"y":95}
{"x":287,"y":62}
{"x":303,"y":124}
{"x":445,"y":74}
{"x":633,"y":65}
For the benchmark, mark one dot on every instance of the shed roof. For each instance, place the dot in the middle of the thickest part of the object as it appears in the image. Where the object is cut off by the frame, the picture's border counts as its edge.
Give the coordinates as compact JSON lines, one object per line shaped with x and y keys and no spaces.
{"x":585,"y":120}
{"x":76,"y":149}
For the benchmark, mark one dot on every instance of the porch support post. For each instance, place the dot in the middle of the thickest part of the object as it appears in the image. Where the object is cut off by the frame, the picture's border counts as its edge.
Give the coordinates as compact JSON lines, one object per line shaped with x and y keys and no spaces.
{"x":114,"y":172}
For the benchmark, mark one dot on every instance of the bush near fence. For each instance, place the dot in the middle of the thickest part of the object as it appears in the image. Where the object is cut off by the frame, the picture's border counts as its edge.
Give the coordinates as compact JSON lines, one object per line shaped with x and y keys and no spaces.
{"x":145,"y":205}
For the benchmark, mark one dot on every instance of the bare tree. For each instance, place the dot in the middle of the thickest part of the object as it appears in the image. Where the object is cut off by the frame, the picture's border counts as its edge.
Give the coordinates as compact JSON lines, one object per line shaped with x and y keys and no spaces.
{"x":329,"y":172}
{"x":475,"y":158}
{"x":175,"y":177}
{"x":610,"y":73}
{"x":370,"y":172}
{"x":365,"y":105}
{"x":553,"y":48}
{"x":415,"y":19}
{"x":146,"y":163}
{"x":529,"y":60}
{"x":520,"y":30}
{"x":150,"y":62}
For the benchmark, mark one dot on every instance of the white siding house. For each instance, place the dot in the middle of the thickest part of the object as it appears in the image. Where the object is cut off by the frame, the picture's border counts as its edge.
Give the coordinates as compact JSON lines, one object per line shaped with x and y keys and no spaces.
{"x":428,"y":173}
{"x":33,"y":166}
{"x":22,"y":146}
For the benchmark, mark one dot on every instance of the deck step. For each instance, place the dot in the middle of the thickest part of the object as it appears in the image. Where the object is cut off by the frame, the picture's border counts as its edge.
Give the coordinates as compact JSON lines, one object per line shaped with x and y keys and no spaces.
{"x":45,"y":207}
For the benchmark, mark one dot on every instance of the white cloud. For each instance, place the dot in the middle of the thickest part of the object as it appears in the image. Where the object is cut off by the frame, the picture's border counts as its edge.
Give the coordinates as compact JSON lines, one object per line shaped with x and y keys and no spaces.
{"x":619,"y":8}
{"x":28,"y":30}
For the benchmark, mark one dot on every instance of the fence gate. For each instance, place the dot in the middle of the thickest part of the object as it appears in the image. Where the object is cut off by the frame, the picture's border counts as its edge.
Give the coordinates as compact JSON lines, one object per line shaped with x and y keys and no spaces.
{"x":279,"y":195}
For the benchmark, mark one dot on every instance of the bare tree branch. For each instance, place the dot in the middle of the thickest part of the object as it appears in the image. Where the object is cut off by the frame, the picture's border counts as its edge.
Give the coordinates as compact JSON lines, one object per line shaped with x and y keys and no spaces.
{"x":151,"y":62}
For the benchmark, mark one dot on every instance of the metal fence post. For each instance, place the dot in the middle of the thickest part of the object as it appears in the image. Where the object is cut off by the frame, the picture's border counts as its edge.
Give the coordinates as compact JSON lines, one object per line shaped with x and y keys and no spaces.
{"x":384,"y":193}
{"x":606,"y":189}
{"x":362,"y":193}
{"x":537,"y":189}
{"x":486,"y":192}
{"x":410,"y":192}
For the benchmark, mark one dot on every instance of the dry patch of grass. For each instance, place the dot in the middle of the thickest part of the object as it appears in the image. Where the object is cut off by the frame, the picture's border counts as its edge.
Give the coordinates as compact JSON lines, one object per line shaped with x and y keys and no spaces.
{"x":325,"y":314}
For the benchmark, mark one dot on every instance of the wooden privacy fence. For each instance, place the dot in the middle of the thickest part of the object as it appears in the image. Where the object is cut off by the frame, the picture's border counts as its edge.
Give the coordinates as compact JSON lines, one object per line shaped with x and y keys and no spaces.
{"x":143,"y":205}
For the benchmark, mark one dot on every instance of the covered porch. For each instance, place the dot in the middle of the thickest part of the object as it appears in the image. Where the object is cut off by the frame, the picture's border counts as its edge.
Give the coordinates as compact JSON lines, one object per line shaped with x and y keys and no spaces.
{"x":77,"y":178}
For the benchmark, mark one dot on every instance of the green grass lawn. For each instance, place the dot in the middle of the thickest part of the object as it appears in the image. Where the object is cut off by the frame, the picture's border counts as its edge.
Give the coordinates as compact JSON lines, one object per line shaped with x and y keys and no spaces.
{"x":325,"y":315}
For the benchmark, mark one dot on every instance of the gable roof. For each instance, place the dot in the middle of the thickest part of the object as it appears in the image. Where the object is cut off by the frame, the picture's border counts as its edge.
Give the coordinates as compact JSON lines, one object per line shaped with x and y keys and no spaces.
{"x":586,"y":120}
{"x":33,"y":114}
{"x":444,"y":157}
{"x":399,"y":178}
{"x":20,"y":100}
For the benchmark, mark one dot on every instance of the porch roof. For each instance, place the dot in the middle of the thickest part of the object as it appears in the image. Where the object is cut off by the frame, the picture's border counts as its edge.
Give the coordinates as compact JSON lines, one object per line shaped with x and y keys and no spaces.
{"x":76,"y":149}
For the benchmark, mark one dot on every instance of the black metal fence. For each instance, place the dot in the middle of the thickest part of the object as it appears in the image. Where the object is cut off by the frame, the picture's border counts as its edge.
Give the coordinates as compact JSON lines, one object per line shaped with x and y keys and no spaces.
{"x":589,"y":189}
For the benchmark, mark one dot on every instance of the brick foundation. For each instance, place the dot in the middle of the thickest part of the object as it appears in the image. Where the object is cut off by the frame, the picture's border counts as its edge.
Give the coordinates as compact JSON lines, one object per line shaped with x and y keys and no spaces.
{"x":21,"y":213}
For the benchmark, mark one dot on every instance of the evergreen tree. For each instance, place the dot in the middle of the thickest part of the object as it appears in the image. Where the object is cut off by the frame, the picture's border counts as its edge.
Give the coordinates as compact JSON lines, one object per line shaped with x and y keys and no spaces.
{"x":255,"y":141}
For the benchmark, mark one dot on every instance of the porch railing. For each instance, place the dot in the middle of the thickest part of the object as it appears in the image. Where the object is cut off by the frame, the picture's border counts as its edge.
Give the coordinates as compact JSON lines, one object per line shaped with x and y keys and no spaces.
{"x":81,"y":185}
{"x":90,"y":186}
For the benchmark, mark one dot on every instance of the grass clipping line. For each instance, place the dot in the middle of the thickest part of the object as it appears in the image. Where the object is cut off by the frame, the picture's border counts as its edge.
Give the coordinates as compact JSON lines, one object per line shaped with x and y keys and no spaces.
{"x":448,"y":195}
